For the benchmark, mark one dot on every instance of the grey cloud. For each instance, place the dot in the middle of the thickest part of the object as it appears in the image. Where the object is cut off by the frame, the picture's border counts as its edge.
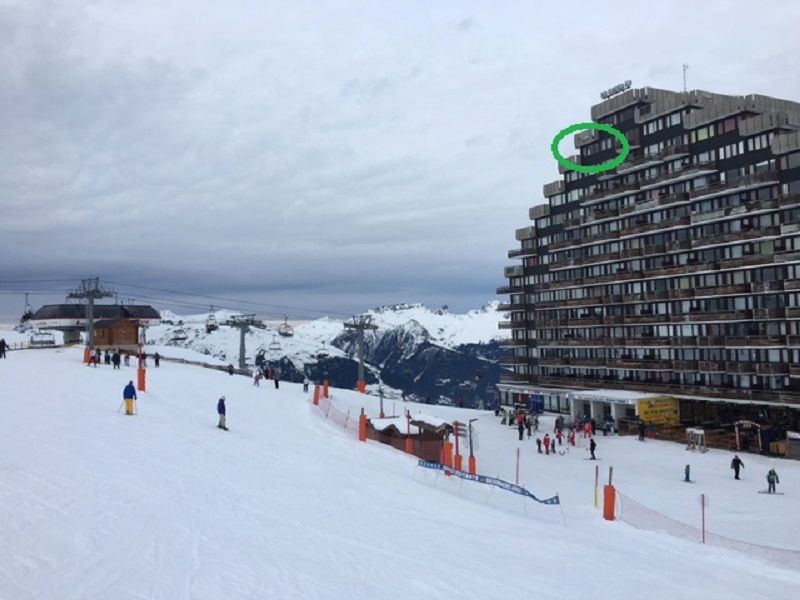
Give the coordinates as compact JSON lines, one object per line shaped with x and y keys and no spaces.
{"x":359,"y":154}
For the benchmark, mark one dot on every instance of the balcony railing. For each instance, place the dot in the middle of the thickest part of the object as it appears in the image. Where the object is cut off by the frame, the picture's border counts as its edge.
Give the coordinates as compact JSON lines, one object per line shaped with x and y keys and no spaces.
{"x":510,"y":289}
{"x":514,"y":360}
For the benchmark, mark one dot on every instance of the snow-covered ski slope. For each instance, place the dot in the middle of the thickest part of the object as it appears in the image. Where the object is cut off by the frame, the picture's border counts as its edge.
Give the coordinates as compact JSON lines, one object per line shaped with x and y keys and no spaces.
{"x":284,"y":505}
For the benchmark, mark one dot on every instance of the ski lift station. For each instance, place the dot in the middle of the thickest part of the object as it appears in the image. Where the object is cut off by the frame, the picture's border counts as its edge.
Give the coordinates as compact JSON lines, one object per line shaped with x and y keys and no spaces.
{"x":115,"y":325}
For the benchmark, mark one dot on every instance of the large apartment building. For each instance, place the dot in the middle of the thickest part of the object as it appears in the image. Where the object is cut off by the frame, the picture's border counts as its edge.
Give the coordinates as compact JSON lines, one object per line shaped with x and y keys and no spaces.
{"x":677,"y":273}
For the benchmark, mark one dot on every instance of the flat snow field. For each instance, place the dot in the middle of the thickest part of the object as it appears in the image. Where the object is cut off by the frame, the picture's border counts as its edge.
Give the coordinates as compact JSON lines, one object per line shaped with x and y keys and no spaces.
{"x":163,"y":504}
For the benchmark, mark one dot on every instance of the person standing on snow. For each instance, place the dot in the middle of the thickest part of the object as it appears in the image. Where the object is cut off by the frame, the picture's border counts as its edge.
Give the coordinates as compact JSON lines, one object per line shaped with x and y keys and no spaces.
{"x":546,"y":443}
{"x":157,"y":359}
{"x":736,"y":464}
{"x":539,"y":445}
{"x":277,"y":379}
{"x":307,"y":381}
{"x":129,"y":397}
{"x":772,"y":479}
{"x":3,"y":346}
{"x":230,"y":369}
{"x":592,"y":446}
{"x":528,"y":425}
{"x":641,"y":430}
{"x":221,"y":413}
{"x":115,"y":360}
{"x":257,"y":378}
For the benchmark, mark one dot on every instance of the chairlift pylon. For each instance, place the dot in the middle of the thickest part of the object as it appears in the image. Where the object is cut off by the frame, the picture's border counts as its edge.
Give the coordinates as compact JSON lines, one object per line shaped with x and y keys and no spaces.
{"x":28,"y":312}
{"x":322,"y":352}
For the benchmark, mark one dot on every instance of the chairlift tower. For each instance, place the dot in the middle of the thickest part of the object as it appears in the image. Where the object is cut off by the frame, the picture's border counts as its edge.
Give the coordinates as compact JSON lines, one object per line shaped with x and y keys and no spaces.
{"x":243,"y":324}
{"x":361,"y":323}
{"x":90,"y":290}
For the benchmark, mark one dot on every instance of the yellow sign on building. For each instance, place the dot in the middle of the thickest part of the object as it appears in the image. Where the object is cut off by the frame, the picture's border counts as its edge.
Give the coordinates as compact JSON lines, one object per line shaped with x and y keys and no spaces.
{"x":659,"y":411}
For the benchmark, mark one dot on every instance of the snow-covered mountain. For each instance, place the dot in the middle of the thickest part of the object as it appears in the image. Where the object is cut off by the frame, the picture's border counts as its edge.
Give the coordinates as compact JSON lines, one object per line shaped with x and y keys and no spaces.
{"x":430,"y":354}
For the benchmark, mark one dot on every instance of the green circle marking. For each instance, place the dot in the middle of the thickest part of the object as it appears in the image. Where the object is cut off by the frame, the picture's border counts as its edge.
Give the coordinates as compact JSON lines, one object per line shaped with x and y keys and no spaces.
{"x":609,"y":164}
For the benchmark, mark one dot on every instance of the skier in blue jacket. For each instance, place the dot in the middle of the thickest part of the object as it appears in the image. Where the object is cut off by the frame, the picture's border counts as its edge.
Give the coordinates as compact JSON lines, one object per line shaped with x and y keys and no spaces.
{"x":129,"y":395}
{"x":221,"y":413}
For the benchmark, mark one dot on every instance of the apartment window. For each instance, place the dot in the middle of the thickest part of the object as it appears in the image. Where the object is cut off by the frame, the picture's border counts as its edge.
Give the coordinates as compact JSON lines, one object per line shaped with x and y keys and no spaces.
{"x":675,"y":118}
{"x":791,"y":161}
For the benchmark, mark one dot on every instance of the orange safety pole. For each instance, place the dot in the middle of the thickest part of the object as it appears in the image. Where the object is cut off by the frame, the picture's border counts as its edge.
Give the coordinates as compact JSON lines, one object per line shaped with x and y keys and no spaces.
{"x":457,"y":458}
{"x":140,"y":380}
{"x":409,"y":447}
{"x":325,"y":389}
{"x":87,"y":354}
{"x":315,"y":401}
{"x":361,"y":386}
{"x":609,"y":499}
{"x":362,"y":427}
{"x":473,"y":468}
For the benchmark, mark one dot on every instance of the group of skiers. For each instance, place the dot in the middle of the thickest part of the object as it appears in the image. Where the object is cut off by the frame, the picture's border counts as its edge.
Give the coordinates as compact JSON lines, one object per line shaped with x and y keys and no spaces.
{"x":274,"y":375}
{"x":530,"y":422}
{"x":772,"y":475}
{"x":116,"y":357}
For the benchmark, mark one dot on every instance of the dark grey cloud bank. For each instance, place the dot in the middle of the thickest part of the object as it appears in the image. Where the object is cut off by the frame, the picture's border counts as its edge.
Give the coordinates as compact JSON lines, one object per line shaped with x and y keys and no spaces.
{"x":323,"y":154}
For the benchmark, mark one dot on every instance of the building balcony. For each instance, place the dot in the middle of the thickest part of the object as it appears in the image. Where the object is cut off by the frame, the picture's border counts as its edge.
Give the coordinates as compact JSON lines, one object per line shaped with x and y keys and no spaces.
{"x":740,"y":367}
{"x":714,"y":340}
{"x":766,"y":286}
{"x":512,"y":342}
{"x":510,"y":289}
{"x":613,"y":191}
{"x":684,"y":342}
{"x":512,"y":378}
{"x":745,"y":261}
{"x":687,"y":170}
{"x":769,"y":313}
{"x":739,"y":182}
{"x":514,"y":360}
{"x":722,"y":290}
{"x":684,"y":365}
{"x":711,"y":366}
{"x":754,"y":340}
{"x":646,"y":342}
{"x":787,"y":256}
{"x":511,"y":307}
{"x":772,"y":368}
{"x":681,"y":293}
{"x":511,"y":325}
{"x":653,"y":365}
{"x":646,"y":227}
{"x":643,"y":319}
{"x":521,"y":252}
{"x":794,"y":370}
{"x":724,"y":238}
{"x":552,"y":361}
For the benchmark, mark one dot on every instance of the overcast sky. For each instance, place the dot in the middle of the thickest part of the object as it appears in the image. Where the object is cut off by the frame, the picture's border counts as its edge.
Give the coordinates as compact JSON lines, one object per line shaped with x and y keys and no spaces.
{"x":329,"y":155}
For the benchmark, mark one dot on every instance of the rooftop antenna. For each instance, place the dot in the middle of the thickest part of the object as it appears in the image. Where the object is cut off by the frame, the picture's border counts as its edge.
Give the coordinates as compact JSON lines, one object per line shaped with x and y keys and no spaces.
{"x":685,"y":68}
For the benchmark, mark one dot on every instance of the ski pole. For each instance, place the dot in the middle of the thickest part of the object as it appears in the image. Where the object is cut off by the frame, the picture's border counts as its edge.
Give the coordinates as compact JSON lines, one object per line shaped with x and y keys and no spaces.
{"x":120,"y":406}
